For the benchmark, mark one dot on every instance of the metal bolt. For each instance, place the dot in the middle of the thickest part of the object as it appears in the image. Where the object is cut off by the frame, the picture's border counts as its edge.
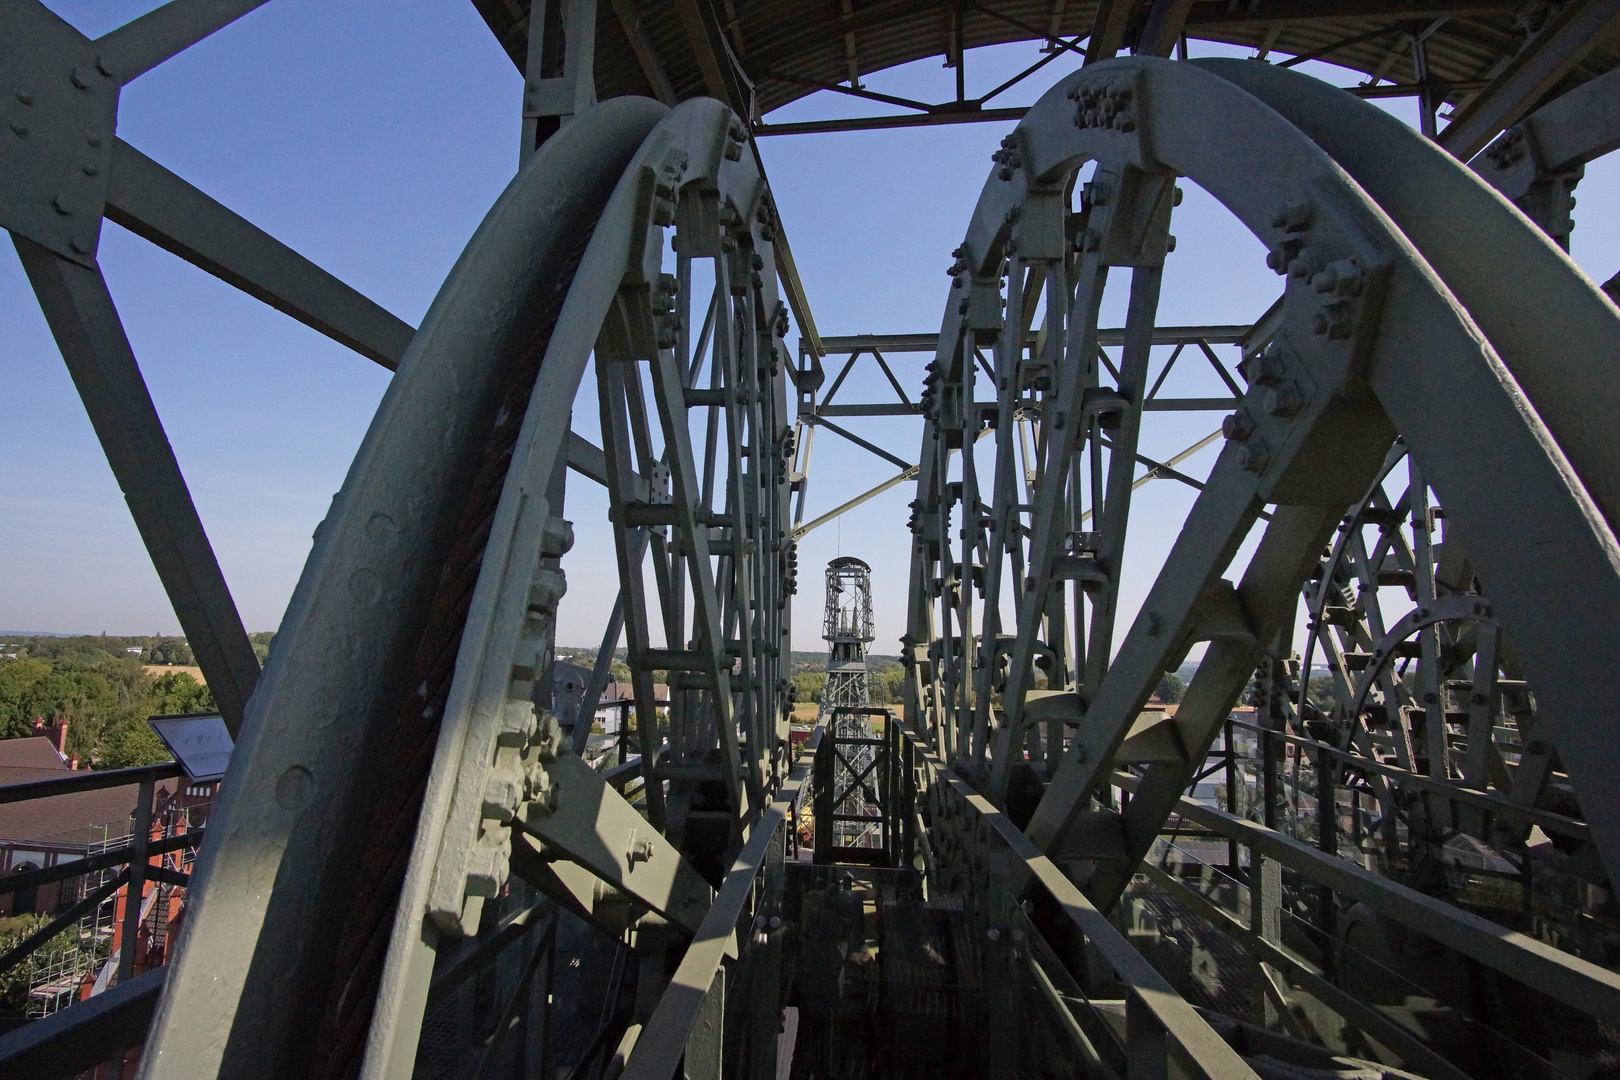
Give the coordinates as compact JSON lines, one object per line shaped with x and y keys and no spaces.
{"x":1342,"y":277}
{"x":1254,"y":456}
{"x":80,"y":78}
{"x":19,"y":129}
{"x":90,"y":168}
{"x":1333,"y":320}
{"x":993,"y":934}
{"x":79,"y":244}
{"x":93,"y":139}
{"x":103,"y":66}
{"x":1265,"y":368}
{"x":1237,"y":427}
{"x":63,"y":204}
{"x":1170,"y":243}
{"x":24,"y":96}
{"x":487,"y":870}
{"x":1283,"y":401}
{"x":640,"y":851}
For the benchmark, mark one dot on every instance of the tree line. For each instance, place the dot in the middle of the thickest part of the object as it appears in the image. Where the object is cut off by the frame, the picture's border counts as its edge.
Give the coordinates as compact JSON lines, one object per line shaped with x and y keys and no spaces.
{"x":101,"y":687}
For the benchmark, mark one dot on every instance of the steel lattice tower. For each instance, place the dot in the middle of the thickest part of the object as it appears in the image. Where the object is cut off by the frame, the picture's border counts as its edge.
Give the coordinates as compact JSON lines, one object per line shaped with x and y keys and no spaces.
{"x":847,"y":629}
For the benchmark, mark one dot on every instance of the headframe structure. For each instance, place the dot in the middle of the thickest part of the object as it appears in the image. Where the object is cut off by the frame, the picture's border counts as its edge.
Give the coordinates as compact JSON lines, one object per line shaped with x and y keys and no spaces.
{"x":1400,"y":860}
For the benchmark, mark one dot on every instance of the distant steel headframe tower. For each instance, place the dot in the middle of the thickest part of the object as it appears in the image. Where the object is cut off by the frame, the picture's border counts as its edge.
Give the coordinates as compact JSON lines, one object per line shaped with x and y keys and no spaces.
{"x":847,"y":630}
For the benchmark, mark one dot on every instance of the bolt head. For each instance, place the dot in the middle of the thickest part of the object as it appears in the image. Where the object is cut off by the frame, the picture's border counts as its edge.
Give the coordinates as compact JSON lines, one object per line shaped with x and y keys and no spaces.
{"x":104,"y":66}
{"x":24,"y":95}
{"x":80,"y":244}
{"x":19,"y":129}
{"x":1253,"y":457}
{"x":1237,"y":427}
{"x":80,"y":78}
{"x":63,"y":204}
{"x":1283,"y":401}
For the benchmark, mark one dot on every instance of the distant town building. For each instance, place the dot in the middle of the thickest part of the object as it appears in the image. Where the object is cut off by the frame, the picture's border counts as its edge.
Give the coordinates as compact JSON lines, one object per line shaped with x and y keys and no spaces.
{"x":38,"y":833}
{"x":619,"y":699}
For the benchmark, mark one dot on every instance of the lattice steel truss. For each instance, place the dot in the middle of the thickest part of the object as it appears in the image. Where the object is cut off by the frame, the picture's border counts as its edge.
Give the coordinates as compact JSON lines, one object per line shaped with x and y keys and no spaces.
{"x":405,"y":801}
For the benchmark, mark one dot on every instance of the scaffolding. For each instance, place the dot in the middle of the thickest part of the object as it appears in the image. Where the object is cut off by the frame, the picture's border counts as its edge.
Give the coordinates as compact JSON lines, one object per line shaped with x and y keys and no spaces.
{"x":57,"y":976}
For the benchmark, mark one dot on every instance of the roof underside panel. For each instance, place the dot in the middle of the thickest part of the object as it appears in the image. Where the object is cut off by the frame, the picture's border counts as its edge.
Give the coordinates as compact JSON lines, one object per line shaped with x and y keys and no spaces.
{"x":788,"y":49}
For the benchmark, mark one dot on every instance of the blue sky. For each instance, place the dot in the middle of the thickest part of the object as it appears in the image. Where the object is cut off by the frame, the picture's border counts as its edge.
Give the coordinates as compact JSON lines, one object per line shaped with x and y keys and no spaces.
{"x":372,"y":137}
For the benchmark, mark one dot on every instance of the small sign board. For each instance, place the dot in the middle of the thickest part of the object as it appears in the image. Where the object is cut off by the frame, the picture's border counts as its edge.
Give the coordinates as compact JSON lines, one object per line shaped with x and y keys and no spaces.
{"x":198,"y":741}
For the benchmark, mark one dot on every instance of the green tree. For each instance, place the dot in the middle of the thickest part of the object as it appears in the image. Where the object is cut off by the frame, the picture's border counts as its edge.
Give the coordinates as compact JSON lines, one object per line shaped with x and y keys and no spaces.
{"x":177,"y":692}
{"x":130,"y":742}
{"x":169,"y":651}
{"x":888,"y":686}
{"x":1320,"y":692}
{"x":104,"y":697}
{"x":14,"y":982}
{"x":1171,"y":689}
{"x":261,"y":644}
{"x":808,"y":685}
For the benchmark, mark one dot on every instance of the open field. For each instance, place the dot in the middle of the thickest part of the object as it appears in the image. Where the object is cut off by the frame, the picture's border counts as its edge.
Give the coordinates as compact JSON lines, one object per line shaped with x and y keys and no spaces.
{"x":156,"y":670}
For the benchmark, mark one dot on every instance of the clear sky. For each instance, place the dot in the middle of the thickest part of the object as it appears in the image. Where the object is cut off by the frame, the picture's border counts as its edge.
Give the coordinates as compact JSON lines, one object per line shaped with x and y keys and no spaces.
{"x":372,"y":137}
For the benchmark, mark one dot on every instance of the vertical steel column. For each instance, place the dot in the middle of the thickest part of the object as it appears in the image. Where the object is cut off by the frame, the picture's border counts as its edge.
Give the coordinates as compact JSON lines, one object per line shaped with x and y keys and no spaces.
{"x":1231,"y":796}
{"x":137,"y":881}
{"x":1327,"y":833}
{"x":823,"y":811}
{"x":1268,"y":784}
{"x":1265,"y":920}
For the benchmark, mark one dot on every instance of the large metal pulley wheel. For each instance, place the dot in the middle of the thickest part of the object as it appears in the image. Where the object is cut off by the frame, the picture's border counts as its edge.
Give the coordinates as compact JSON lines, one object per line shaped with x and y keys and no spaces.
{"x":403,"y":756}
{"x":1392,"y":324}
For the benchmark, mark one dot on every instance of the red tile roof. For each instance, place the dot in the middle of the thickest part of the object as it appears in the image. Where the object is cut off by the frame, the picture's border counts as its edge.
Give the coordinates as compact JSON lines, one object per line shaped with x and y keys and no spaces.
{"x":74,"y":820}
{"x":36,"y":752}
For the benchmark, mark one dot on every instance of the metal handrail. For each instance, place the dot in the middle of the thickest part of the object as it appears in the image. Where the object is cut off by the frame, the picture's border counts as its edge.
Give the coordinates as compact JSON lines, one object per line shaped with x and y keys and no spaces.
{"x":88,"y":780}
{"x":1548,"y":820}
{"x":662,"y":1043}
{"x":101,"y":860}
{"x":1563,"y":976}
{"x":1150,"y":999}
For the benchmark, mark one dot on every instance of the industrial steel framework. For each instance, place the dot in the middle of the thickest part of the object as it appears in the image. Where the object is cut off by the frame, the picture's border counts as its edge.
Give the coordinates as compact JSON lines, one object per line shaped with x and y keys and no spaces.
{"x":1418,"y":437}
{"x":847,"y":628}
